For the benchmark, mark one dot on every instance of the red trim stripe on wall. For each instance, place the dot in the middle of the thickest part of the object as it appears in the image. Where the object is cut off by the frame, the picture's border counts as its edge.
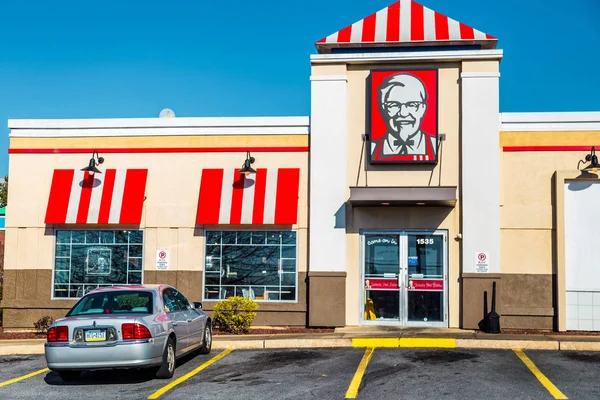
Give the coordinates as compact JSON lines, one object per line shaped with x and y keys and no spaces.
{"x":441,"y":27}
{"x":163,"y":150}
{"x":58,"y":202}
{"x":345,"y":34}
{"x":393,"y":23}
{"x":368,"y":33}
{"x":509,"y":149}
{"x":286,"y":202}
{"x":84,"y":199}
{"x":133,"y":196}
{"x":210,"y":196}
{"x":417,"y":26}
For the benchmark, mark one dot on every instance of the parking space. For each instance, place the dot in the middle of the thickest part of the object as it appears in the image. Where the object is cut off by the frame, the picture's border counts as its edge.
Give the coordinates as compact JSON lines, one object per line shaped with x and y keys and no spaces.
{"x":448,"y":373}
{"x":277,"y":374}
{"x":399,"y":373}
{"x":96,"y":385}
{"x":576,"y":373}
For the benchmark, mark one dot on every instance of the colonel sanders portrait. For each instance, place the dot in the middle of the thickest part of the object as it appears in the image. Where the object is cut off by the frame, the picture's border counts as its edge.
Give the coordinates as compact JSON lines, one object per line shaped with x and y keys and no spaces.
{"x":402,"y":104}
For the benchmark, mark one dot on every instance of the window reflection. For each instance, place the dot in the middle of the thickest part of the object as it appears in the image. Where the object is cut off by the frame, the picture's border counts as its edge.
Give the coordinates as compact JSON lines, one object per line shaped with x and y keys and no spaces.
{"x":425,"y":255}
{"x":85,"y":260}
{"x":257,"y":265}
{"x":381,"y":255}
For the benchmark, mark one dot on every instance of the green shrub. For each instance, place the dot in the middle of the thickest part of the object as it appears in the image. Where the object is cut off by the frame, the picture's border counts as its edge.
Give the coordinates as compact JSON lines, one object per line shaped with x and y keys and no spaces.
{"x":42,"y":325}
{"x":235,"y":314}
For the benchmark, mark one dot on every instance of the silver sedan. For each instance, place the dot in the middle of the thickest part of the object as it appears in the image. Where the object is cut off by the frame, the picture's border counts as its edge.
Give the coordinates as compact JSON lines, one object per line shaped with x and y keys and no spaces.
{"x":144,"y":326}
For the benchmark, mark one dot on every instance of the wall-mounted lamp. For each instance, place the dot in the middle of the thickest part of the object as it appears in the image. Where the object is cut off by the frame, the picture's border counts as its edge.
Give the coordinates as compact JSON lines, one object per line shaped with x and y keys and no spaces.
{"x":592,"y":158}
{"x":247,"y":166}
{"x":91,"y":168}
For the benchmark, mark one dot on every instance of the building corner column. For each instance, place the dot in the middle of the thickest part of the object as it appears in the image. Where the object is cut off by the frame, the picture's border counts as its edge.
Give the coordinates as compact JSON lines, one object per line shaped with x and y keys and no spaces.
{"x":480,"y":192}
{"x":327,"y":228}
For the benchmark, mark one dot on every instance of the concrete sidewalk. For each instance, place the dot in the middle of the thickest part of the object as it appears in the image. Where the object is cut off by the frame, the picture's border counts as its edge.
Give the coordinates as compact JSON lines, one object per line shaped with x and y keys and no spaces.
{"x":372,"y":337}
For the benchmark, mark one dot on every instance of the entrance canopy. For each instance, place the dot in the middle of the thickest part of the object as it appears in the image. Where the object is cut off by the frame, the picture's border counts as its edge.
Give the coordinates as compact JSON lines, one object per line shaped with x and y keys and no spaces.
{"x":435,"y":196}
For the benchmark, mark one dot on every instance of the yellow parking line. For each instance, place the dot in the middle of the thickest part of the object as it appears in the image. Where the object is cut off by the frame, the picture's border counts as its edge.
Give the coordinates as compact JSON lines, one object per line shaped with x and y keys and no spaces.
{"x":176,"y":382}
{"x":557,"y":394}
{"x":41,"y":371}
{"x":447,"y":343}
{"x":360,"y":371}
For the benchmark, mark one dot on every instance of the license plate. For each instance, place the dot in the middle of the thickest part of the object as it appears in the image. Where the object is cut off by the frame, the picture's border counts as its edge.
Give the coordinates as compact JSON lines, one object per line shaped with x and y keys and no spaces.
{"x":95,"y":335}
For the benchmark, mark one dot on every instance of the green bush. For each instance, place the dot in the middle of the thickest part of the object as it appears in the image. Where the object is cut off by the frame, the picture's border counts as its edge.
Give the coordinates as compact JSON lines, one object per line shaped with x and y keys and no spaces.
{"x":42,"y":325}
{"x":235,"y":314}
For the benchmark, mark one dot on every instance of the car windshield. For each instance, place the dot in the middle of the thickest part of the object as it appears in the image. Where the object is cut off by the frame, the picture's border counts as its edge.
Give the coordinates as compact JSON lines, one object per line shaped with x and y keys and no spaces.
{"x":113,"y":303}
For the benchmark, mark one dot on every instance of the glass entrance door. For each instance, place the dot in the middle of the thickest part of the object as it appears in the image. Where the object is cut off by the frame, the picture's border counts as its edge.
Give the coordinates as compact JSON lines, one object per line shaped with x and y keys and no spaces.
{"x":404,"y":278}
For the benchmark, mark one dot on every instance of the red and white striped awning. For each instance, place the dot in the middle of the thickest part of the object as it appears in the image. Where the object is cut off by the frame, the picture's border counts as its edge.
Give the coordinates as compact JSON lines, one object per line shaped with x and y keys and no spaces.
{"x":114,"y":197}
{"x":268,"y":197}
{"x":405,"y":23}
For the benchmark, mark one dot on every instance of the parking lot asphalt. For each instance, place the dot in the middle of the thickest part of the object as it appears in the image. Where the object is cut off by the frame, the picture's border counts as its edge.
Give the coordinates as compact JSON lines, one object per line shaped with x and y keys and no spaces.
{"x":327,"y":373}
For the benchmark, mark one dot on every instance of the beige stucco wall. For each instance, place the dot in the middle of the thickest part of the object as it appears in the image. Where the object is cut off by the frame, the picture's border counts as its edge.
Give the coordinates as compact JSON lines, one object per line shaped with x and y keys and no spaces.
{"x":172,"y":190}
{"x":480,"y":66}
{"x":527,"y":213}
{"x":399,"y":175}
{"x":532,"y":228}
{"x":386,"y":175}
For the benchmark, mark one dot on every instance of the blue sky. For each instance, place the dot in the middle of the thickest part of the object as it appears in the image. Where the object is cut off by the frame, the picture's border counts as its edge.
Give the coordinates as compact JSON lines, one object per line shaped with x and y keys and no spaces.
{"x":69,"y":59}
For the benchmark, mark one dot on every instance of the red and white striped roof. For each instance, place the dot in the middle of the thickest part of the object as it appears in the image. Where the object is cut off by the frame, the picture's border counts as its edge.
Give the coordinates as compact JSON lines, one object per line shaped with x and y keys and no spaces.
{"x":114,"y":197}
{"x":405,"y":23}
{"x":268,"y":197}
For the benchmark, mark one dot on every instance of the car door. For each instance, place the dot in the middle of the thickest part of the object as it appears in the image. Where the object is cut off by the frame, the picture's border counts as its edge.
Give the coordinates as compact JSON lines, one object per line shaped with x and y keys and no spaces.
{"x":195,"y":320}
{"x":178,"y":318}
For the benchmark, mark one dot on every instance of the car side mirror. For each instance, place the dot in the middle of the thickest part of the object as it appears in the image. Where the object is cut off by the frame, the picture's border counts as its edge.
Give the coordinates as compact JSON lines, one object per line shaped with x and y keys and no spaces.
{"x":198,"y":305}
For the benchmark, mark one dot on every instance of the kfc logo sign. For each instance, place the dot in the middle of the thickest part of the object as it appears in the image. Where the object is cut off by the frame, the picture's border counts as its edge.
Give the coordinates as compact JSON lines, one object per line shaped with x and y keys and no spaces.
{"x":402,"y":116}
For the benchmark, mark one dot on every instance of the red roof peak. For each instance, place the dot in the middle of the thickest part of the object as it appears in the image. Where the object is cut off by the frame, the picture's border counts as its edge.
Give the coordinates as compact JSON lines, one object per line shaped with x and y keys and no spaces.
{"x":405,"y":23}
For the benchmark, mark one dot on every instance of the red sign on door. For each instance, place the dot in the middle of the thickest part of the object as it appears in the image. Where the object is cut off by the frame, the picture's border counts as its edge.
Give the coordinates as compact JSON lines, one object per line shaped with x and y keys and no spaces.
{"x":381,"y":284}
{"x":426,"y":284}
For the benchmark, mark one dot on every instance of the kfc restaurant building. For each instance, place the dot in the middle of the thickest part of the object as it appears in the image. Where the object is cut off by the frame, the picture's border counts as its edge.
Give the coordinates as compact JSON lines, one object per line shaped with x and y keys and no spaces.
{"x":398,"y":202}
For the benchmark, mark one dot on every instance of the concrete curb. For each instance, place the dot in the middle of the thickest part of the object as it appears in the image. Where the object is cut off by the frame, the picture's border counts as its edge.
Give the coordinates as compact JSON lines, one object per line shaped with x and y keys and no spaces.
{"x":580,"y":346}
{"x":7,"y":350}
{"x":416,"y":342}
{"x":508,"y":344}
{"x":37,"y":347}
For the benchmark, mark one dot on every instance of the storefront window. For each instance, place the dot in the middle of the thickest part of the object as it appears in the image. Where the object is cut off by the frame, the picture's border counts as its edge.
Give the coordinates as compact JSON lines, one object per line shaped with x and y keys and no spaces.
{"x":260,"y":265}
{"x":85,"y":260}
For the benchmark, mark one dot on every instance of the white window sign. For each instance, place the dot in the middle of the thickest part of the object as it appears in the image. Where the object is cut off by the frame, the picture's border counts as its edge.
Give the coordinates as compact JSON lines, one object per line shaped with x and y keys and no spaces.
{"x":98,"y":261}
{"x":162,"y":260}
{"x":482,"y":262}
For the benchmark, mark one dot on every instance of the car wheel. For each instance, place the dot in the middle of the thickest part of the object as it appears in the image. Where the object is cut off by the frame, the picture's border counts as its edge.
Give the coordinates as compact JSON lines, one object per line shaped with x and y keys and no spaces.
{"x":167,"y":367}
{"x":68,"y":376}
{"x":207,"y":339}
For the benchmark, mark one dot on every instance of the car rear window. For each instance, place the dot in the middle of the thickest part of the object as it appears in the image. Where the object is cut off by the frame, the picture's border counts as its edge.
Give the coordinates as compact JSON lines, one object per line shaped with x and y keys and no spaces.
{"x":121,"y":302}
